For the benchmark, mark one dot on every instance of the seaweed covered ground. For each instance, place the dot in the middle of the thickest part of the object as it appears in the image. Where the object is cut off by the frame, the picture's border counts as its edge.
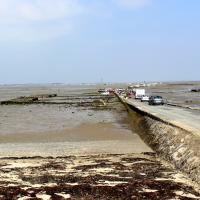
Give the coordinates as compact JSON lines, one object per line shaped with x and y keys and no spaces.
{"x":108,"y":176}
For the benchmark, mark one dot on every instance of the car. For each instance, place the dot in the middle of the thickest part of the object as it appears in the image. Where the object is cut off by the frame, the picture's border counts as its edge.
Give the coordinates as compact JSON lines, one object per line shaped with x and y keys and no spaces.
{"x":156,"y":100}
{"x":145,"y":98}
{"x":106,"y":93}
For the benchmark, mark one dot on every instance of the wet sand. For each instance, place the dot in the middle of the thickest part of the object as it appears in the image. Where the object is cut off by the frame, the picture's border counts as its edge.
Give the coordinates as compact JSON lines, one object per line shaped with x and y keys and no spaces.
{"x":178,"y":93}
{"x":81,"y":127}
{"x":85,"y":139}
{"x":84,"y":132}
{"x":73,"y":146}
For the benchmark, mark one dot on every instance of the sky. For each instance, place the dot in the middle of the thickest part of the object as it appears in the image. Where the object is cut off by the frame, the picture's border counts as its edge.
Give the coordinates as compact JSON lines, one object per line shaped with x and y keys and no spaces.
{"x":91,"y":41}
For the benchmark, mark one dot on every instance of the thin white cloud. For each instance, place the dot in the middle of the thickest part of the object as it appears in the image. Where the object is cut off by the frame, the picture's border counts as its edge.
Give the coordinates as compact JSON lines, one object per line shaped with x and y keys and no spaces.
{"x":133,"y":3}
{"x":30,"y":20}
{"x":40,"y":10}
{"x":29,"y":34}
{"x":46,"y":19}
{"x":49,"y":9}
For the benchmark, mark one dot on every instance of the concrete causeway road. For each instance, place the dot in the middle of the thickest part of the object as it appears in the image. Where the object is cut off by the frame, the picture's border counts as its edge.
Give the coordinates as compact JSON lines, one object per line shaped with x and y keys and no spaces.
{"x":181,"y":117}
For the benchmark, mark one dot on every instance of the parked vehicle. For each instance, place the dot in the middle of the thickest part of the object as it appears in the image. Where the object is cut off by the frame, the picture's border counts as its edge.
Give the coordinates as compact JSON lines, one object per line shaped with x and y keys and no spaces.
{"x":145,"y":98}
{"x":101,"y":90}
{"x":119,"y":90}
{"x":106,"y":91}
{"x":139,"y":93}
{"x":156,"y":100}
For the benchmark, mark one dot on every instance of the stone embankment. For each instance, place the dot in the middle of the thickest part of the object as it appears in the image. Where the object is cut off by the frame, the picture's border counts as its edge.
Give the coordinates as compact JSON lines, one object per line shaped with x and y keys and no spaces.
{"x":175,"y":143}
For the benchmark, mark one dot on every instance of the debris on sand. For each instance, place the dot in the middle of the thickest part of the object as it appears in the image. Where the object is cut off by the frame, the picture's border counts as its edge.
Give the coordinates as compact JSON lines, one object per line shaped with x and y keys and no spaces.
{"x":20,"y":100}
{"x":195,"y":90}
{"x":107,"y":176}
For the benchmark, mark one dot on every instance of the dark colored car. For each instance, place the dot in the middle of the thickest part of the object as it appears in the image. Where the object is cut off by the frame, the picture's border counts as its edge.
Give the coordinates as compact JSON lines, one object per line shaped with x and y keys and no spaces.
{"x":156,"y":100}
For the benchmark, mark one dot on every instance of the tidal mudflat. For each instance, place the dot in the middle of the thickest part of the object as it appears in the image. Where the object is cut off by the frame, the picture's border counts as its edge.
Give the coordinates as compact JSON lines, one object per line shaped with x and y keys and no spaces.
{"x":78,"y":145}
{"x":72,"y":122}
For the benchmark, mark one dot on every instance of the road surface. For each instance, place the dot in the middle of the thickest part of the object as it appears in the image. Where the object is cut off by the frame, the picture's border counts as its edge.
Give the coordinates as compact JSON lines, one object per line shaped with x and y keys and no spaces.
{"x":181,"y":117}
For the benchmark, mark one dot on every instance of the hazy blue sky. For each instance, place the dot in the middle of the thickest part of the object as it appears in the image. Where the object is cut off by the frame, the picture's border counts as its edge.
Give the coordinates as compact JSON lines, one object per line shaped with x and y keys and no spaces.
{"x":75,"y":41}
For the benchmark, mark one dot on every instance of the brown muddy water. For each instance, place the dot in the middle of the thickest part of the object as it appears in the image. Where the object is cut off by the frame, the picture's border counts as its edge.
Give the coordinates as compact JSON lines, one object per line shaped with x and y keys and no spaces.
{"x":78,"y":145}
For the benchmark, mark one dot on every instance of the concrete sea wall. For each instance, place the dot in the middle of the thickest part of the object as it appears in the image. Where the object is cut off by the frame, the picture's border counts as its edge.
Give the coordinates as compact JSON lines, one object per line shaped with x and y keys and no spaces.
{"x":174,"y":144}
